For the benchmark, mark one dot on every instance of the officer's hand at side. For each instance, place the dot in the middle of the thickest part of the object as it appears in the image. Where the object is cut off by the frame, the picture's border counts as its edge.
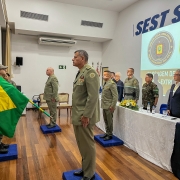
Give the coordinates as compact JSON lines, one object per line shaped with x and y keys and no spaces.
{"x":168,"y":112}
{"x":111,"y":109}
{"x":84,"y":121}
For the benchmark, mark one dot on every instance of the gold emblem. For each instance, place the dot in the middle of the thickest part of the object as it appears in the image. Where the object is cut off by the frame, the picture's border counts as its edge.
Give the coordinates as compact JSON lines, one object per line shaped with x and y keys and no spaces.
{"x":92,"y":75}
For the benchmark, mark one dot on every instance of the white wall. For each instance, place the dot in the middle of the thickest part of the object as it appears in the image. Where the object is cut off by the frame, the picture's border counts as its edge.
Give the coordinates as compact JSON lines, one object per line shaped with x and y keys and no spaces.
{"x":36,"y":58}
{"x":124,"y":50}
{"x":2,"y":17}
{"x":64,"y":19}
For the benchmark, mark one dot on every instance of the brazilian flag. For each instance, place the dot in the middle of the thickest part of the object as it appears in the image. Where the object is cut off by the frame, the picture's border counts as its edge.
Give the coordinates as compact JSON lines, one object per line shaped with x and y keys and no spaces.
{"x":12,"y":104}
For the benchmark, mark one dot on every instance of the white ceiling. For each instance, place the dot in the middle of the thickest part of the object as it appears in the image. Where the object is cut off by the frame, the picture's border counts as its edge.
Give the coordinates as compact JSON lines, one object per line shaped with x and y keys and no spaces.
{"x":111,"y":5}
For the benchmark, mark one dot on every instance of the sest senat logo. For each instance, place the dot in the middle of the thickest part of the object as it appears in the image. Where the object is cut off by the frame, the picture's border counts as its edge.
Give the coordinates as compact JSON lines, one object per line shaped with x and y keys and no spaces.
{"x":161,"y":48}
{"x":151,"y":23}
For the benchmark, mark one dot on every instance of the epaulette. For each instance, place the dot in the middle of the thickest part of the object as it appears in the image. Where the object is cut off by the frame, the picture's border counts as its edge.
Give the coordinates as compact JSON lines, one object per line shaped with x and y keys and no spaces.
{"x":88,"y":67}
{"x":112,"y":81}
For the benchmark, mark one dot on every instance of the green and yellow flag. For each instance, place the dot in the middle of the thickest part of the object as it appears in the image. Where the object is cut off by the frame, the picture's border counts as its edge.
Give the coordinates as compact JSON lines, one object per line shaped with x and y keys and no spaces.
{"x":12,"y":104}
{"x":159,"y":49}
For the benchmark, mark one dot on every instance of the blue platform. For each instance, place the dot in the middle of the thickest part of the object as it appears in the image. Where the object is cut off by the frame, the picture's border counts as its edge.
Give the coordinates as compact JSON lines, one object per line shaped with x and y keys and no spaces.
{"x":12,"y":153}
{"x":45,"y":130}
{"x":70,"y":176}
{"x":113,"y":142}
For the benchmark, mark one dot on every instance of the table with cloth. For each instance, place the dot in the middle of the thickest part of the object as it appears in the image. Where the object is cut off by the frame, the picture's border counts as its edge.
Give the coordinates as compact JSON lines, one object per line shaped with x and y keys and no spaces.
{"x":150,"y":135}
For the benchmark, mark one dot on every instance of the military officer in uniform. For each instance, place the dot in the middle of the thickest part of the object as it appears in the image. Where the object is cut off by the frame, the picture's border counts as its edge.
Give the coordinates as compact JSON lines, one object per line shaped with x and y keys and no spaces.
{"x":131,"y":86}
{"x":85,"y":112}
{"x":150,"y":92}
{"x":109,"y":99}
{"x":8,"y":78}
{"x":3,"y":147}
{"x":51,"y":96}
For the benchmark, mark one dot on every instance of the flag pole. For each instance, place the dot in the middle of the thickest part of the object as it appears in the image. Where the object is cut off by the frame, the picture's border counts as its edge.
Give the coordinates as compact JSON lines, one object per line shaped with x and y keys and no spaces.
{"x":40,"y":108}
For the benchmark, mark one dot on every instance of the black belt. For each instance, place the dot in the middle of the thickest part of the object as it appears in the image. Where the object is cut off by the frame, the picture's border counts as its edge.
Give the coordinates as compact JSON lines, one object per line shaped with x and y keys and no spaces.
{"x":129,"y":94}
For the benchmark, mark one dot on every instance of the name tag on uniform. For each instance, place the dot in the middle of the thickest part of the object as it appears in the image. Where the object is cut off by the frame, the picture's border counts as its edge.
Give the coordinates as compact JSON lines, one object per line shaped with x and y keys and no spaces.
{"x":106,"y":88}
{"x":80,"y":82}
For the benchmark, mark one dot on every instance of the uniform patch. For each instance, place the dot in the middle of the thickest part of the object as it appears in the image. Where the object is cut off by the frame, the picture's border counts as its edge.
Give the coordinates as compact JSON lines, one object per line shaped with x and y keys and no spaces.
{"x":81,"y":80}
{"x":92,"y":75}
{"x":135,"y":82}
{"x":82,"y":77}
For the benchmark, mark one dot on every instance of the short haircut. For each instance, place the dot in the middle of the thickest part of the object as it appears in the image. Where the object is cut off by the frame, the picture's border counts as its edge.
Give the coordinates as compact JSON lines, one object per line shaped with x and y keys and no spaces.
{"x":178,"y":70}
{"x":108,"y":71}
{"x":8,"y":74}
{"x":118,"y":73}
{"x":112,"y":73}
{"x":132,"y":69}
{"x":83,"y":53}
{"x":150,"y":75}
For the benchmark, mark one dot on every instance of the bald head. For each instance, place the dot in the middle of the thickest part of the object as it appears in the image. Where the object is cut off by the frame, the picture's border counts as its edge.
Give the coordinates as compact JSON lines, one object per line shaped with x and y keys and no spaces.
{"x":117,"y":76}
{"x":2,"y":72}
{"x":50,"y":71}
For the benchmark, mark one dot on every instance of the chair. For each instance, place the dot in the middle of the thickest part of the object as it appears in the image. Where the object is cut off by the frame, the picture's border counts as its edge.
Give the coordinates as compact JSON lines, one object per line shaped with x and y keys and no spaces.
{"x":163,"y":107}
{"x":64,"y":103}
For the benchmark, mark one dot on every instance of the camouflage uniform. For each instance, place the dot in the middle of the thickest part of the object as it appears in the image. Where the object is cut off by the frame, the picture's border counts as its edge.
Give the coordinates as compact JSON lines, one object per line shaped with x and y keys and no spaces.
{"x":131,"y":88}
{"x":149,"y":93}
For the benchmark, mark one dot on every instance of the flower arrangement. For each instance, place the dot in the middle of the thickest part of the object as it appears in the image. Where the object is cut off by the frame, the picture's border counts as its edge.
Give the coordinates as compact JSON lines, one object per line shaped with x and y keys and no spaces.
{"x":131,"y":104}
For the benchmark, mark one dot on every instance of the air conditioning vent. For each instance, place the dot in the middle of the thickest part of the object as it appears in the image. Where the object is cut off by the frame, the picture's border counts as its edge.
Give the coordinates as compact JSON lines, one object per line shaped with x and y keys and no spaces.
{"x":35,"y":16}
{"x":91,"y":24}
{"x":56,"y":41}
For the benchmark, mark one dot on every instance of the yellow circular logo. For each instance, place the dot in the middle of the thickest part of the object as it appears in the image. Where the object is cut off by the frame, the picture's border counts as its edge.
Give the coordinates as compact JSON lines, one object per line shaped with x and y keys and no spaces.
{"x":92,"y":75}
{"x":161,"y":48}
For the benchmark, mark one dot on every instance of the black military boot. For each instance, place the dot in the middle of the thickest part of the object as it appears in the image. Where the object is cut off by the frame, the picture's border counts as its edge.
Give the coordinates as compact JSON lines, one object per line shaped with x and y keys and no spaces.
{"x":3,"y":150}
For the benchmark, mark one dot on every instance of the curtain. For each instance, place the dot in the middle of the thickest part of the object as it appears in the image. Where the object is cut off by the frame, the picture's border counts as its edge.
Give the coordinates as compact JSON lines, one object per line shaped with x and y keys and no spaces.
{"x":8,"y":49}
{"x":7,"y":42}
{"x":3,"y":36}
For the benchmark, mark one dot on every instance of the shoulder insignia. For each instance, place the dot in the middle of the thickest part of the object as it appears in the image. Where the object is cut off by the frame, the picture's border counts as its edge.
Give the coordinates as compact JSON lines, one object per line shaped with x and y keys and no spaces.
{"x":92,"y":75}
{"x":88,"y":67}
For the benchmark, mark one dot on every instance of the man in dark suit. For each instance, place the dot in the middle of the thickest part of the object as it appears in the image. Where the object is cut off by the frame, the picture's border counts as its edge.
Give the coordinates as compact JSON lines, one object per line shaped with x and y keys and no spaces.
{"x":120,"y":86}
{"x":174,"y":96}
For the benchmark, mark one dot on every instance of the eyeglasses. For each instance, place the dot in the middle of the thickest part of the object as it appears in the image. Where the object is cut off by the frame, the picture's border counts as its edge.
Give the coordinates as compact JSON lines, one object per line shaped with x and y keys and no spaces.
{"x":176,"y":74}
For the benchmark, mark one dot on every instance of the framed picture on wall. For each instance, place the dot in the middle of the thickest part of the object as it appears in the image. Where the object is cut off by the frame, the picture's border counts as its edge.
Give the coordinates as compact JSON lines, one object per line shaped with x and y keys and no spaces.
{"x":104,"y":69}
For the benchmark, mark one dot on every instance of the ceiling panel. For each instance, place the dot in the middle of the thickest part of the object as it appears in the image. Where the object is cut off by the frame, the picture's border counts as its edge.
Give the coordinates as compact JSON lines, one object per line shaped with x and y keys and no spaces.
{"x":111,"y":5}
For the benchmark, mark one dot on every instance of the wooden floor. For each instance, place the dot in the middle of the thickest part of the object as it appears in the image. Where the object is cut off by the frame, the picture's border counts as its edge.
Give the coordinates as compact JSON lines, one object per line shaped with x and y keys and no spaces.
{"x":46,"y":157}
